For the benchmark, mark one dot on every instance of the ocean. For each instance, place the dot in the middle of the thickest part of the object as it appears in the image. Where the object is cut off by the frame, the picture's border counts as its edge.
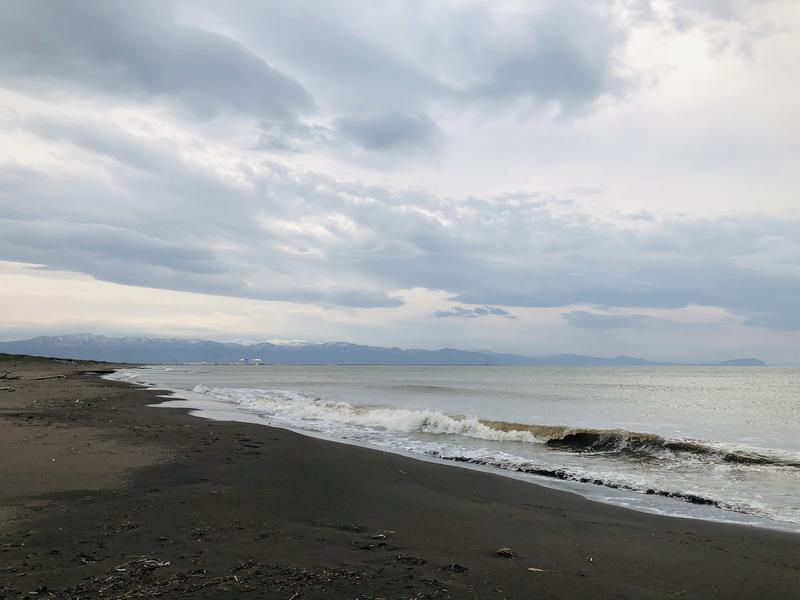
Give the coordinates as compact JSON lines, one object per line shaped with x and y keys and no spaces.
{"x":717,"y":443}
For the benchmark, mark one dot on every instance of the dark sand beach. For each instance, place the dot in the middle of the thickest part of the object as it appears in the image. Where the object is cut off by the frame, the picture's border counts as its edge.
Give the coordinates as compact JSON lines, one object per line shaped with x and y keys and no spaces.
{"x":103,"y":497}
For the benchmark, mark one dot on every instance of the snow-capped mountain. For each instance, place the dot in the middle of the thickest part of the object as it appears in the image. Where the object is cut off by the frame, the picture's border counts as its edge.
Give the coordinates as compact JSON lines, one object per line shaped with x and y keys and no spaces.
{"x":165,"y":350}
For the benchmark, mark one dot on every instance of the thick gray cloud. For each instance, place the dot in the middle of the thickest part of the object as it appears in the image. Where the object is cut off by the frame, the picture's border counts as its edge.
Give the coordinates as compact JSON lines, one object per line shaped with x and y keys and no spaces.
{"x":472,"y":313}
{"x":390,"y":131}
{"x":382,"y":99}
{"x":354,"y":67}
{"x":569,"y":60}
{"x":352,"y":243}
{"x":136,"y":49}
{"x":554,"y":54}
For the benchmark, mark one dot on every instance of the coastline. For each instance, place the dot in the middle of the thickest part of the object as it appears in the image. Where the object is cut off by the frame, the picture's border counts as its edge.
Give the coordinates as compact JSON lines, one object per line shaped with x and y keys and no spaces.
{"x":236,"y":508}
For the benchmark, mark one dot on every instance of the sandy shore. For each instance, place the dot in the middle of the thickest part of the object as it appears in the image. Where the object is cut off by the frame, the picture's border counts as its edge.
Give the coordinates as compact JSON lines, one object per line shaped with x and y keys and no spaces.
{"x":102,"y":497}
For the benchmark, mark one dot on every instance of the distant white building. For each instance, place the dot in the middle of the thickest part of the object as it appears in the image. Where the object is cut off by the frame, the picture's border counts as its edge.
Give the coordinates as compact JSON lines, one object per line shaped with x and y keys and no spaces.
{"x":242,"y":361}
{"x":258,"y":361}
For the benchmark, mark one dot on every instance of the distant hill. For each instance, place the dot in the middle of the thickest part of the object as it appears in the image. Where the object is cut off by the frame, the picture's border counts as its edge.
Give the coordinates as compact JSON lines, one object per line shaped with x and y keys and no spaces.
{"x":742,"y":362}
{"x":163,"y":350}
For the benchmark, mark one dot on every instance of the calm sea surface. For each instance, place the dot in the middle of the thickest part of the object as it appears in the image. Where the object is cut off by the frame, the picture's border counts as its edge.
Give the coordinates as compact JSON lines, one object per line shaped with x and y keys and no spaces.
{"x":719,"y":443}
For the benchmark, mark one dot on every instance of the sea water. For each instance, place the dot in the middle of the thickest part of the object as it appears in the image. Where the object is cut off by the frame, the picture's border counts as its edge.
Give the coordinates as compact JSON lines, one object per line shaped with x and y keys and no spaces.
{"x":720,"y":443}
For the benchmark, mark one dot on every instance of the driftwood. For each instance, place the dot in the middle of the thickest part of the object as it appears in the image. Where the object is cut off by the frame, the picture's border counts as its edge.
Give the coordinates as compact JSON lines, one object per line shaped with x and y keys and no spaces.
{"x":48,"y":377}
{"x":8,"y":376}
{"x":505,"y":552}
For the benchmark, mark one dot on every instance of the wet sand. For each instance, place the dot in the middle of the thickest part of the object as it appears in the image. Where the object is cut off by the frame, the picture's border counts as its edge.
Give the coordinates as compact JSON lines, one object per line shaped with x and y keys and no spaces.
{"x":104,"y":497}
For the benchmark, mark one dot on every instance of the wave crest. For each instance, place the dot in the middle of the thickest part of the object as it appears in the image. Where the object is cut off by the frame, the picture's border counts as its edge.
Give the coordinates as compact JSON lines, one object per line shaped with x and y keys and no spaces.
{"x":301,"y":410}
{"x":635,"y":444}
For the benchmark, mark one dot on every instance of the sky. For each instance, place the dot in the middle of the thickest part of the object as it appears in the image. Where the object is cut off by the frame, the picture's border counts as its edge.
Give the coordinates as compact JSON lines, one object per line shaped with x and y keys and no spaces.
{"x":600,"y":177}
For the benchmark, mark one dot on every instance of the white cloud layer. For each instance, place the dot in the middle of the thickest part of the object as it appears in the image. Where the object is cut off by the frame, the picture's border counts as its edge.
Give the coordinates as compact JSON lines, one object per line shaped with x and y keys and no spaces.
{"x":575,"y":165}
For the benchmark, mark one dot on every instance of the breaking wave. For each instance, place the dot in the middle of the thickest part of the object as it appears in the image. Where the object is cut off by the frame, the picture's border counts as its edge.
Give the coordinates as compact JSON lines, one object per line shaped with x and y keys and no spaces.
{"x":304,"y":411}
{"x":639,"y":445}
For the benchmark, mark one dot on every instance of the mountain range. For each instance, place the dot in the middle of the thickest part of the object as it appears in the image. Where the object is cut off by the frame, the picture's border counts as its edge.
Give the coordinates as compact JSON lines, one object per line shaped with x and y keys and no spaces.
{"x":163,"y":350}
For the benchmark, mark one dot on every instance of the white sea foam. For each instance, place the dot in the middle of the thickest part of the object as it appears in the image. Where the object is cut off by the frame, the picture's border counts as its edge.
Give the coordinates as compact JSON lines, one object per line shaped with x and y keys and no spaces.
{"x":298,"y":409}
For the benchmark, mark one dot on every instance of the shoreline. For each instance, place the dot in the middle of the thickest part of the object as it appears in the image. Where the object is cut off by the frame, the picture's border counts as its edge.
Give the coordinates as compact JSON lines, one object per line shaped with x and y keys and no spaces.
{"x":236,"y":508}
{"x":690,"y":504}
{"x":680,"y":502}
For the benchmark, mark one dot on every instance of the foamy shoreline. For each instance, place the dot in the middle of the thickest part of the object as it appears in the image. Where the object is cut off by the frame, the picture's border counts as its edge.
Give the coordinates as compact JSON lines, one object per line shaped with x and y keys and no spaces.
{"x":309,"y":419}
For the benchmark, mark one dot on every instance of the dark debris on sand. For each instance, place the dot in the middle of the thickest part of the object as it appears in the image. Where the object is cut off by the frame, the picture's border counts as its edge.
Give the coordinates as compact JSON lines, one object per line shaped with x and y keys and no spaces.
{"x":146,"y":577}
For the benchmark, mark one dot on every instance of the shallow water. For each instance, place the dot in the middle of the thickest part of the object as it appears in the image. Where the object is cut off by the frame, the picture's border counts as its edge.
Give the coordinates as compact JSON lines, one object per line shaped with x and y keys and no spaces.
{"x":711,"y":442}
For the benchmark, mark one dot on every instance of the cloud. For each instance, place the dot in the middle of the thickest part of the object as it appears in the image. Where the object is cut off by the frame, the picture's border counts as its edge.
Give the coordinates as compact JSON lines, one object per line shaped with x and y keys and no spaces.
{"x":131,"y":257}
{"x":341,"y":46}
{"x":116,"y":168}
{"x":307,"y":68}
{"x":568,"y":57}
{"x":390,"y":131}
{"x":598,"y":321}
{"x":151,"y":214}
{"x":136,"y":49}
{"x":787,"y":320}
{"x":408,"y":58}
{"x":472,"y":313}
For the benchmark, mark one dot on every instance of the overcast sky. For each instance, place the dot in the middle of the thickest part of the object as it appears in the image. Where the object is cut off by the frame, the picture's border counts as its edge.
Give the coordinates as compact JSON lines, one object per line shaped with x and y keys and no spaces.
{"x":534,"y":177}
